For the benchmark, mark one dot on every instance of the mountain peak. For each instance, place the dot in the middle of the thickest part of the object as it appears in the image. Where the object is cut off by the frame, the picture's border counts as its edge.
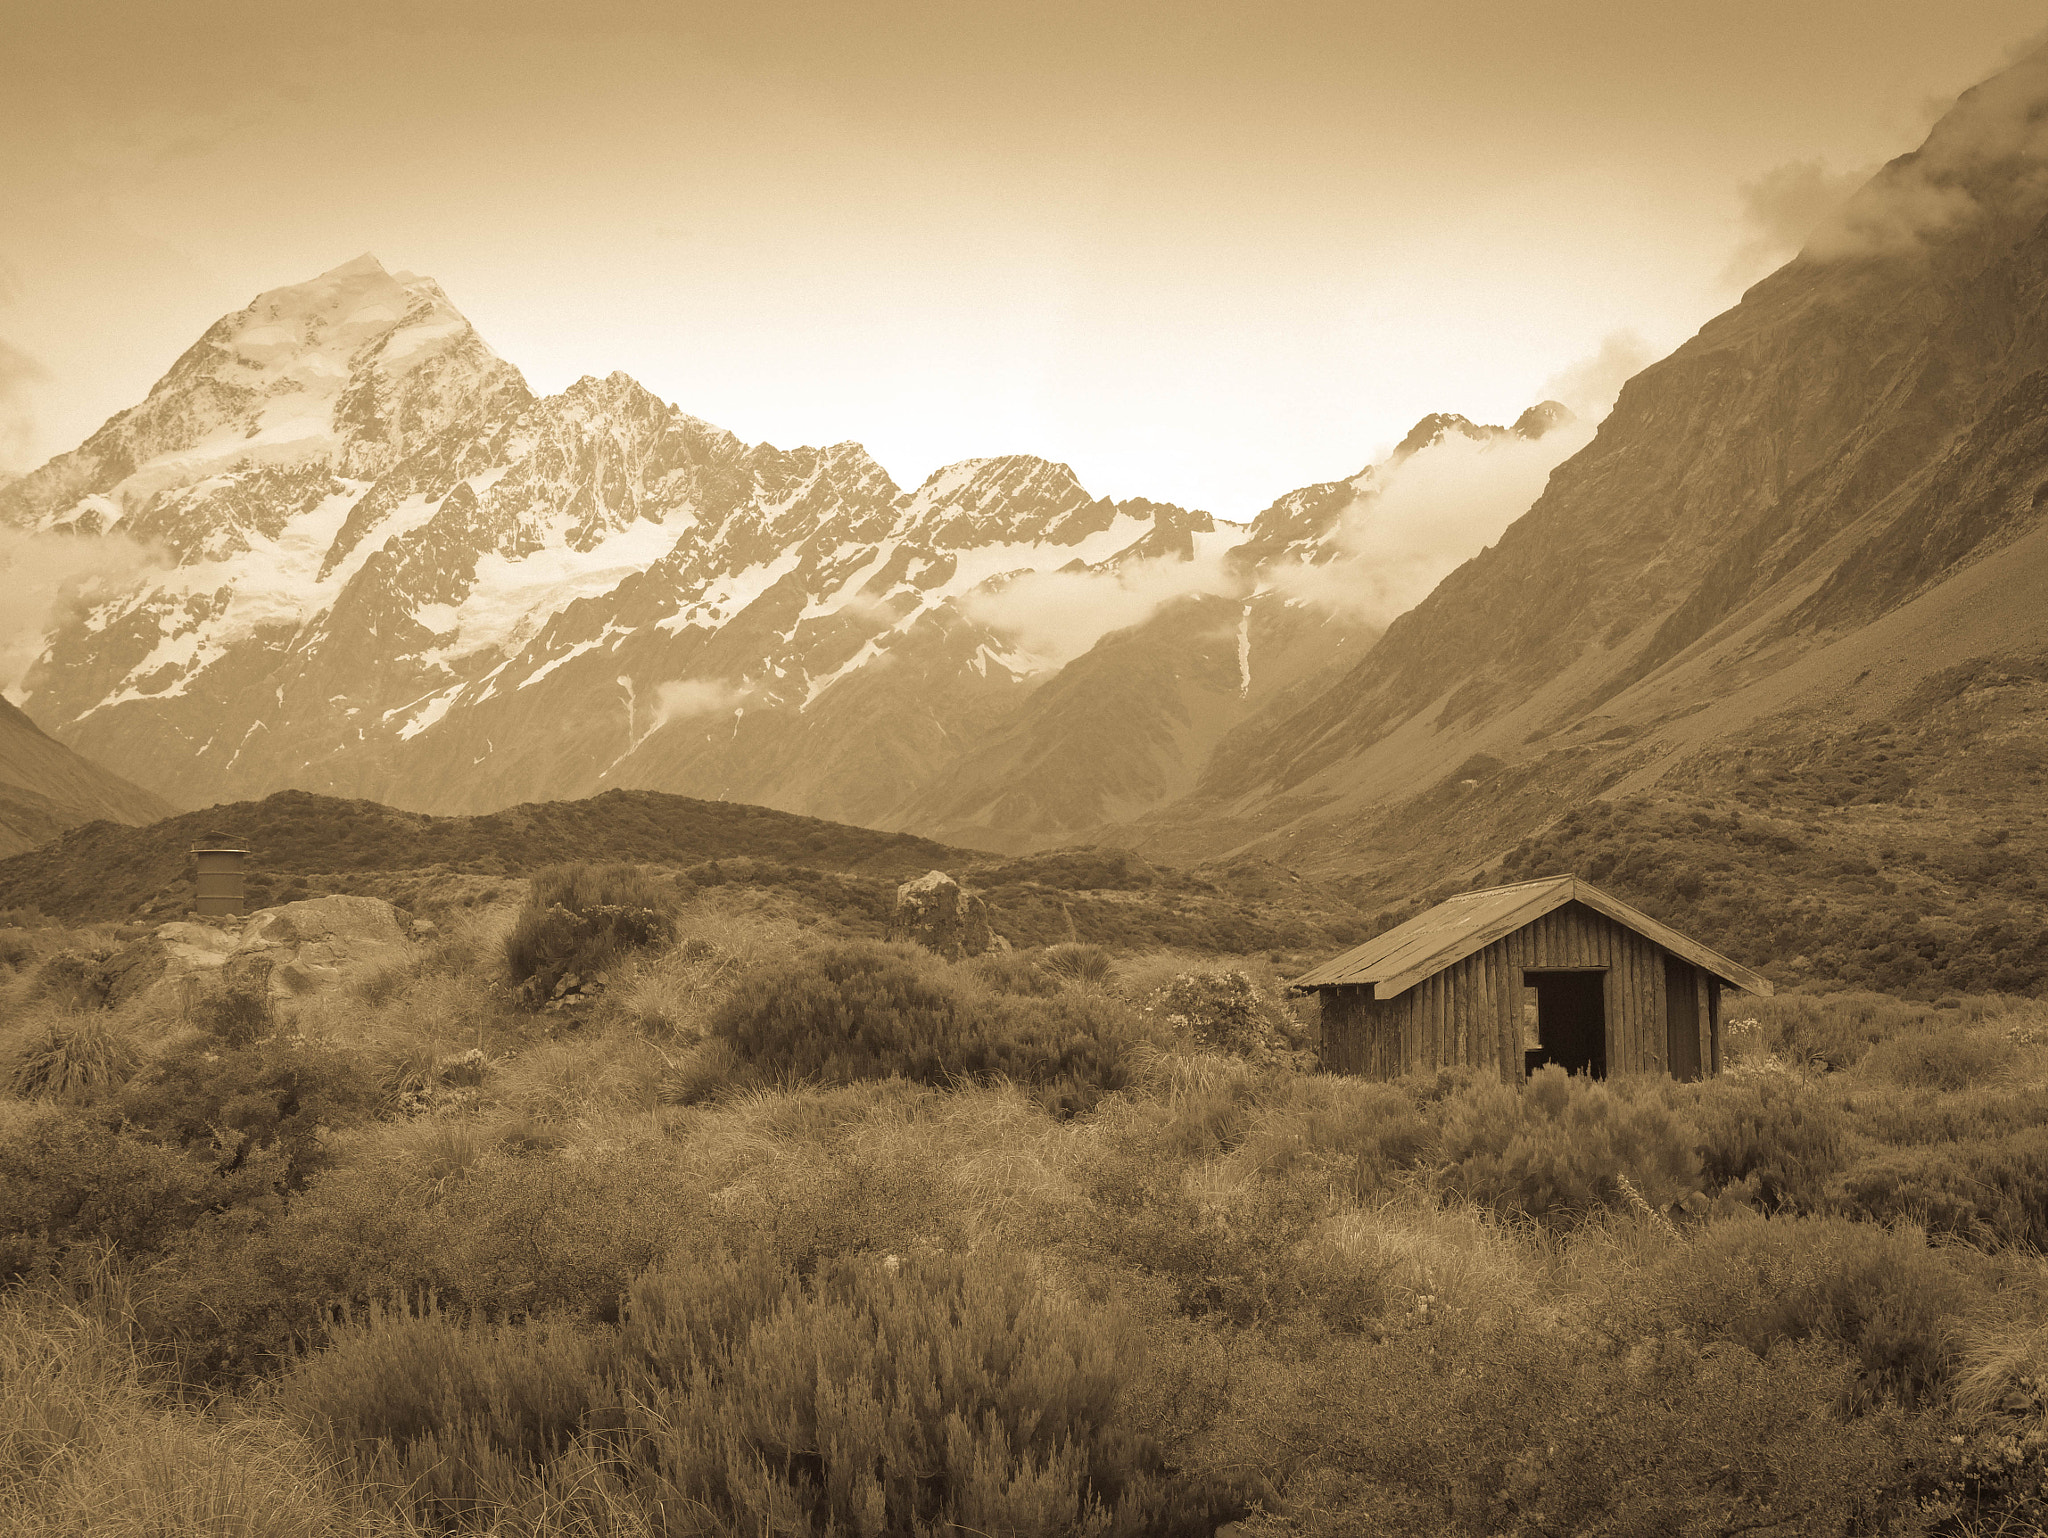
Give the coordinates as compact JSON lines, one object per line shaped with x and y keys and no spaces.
{"x":361,"y":266}
{"x":1543,"y":417}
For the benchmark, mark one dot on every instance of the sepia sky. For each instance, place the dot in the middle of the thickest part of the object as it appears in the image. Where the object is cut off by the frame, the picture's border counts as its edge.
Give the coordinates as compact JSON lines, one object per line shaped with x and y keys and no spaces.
{"x":1203,"y":252}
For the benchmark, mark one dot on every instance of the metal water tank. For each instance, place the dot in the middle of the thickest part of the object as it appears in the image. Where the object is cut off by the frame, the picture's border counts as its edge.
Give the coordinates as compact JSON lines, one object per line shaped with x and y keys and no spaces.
{"x":220,"y":879}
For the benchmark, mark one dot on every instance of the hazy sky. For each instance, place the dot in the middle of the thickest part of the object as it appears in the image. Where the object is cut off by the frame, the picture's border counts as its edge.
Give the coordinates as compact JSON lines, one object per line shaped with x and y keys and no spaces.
{"x":1203,"y":252}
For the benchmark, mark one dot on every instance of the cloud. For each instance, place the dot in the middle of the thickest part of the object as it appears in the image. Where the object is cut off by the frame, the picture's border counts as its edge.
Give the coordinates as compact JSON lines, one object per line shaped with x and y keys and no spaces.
{"x":1431,"y":514}
{"x":19,"y":373}
{"x":1781,"y":208}
{"x":1590,"y":385}
{"x":685,"y":698}
{"x":51,"y":580}
{"x":1988,"y":154}
{"x":1055,"y":616}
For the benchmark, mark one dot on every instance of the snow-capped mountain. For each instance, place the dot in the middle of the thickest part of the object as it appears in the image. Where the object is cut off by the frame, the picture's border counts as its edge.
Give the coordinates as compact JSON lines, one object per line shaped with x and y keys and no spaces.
{"x":382,"y":567}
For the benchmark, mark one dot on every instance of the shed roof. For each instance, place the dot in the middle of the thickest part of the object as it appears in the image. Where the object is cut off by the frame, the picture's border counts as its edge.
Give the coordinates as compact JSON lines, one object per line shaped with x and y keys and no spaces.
{"x":1396,"y":961}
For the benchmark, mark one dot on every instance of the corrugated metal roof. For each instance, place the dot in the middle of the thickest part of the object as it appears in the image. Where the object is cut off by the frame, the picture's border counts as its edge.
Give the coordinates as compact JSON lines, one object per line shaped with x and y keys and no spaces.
{"x":1402,"y":957}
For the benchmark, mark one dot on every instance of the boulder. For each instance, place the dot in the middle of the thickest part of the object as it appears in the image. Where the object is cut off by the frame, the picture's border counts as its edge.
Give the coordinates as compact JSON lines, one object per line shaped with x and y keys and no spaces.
{"x":175,"y":952}
{"x":301,"y":947}
{"x":941,"y":915}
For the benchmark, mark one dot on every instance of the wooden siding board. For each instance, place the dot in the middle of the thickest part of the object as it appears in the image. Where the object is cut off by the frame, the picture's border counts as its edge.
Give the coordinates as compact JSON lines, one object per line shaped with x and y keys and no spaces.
{"x":1705,"y":1026}
{"x":1461,"y":1007}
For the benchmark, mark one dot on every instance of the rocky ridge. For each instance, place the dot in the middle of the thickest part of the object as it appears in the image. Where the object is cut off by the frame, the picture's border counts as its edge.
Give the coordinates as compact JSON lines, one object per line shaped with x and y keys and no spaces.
{"x":386,"y":569}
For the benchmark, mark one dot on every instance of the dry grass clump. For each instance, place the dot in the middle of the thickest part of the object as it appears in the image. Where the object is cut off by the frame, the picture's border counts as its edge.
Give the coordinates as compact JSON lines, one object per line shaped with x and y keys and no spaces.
{"x":69,"y":1055}
{"x":673,"y":993}
{"x":594,"y":1073}
{"x":1944,"y":1057}
{"x":86,"y":1448}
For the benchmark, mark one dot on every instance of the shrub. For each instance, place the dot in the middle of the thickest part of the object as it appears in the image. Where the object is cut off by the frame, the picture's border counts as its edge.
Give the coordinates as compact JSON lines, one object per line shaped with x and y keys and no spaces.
{"x":1251,"y":1258}
{"x":1467,"y":1429}
{"x":234,"y":1013}
{"x":1010,"y":972}
{"x":581,"y":918}
{"x":1778,"y":1140}
{"x":1562,"y":1146}
{"x":72,"y":1057}
{"x":458,"y":1418}
{"x":68,"y":1181}
{"x":1881,"y":1294}
{"x":1991,"y":1191}
{"x":868,"y":1011}
{"x":277,"y":1094}
{"x":1381,"y":1131}
{"x":893,"y":1398}
{"x":1947,"y":1057}
{"x":74,"y":980}
{"x":929,"y":1395}
{"x":1224,"y":1012}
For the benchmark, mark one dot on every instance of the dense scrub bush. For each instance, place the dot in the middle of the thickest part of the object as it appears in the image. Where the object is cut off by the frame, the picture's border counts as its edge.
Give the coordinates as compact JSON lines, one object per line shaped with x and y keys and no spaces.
{"x":901,"y":1398}
{"x":1017,"y":972}
{"x":1251,"y":1256}
{"x":1380,"y":1130}
{"x":71,"y":1057}
{"x":1990,"y":1191}
{"x":459,"y":1419}
{"x":1832,"y":1030}
{"x":232,"y":1103}
{"x":1950,"y":1057}
{"x":74,"y":980}
{"x":507,"y":1230}
{"x":867,"y":1011}
{"x":68,"y":1182}
{"x":236,"y":1014}
{"x":1889,"y":1116}
{"x":1881,"y":1294}
{"x":581,"y":919}
{"x":1561,"y":1146}
{"x":1468,"y":1428}
{"x":1774,"y":1140}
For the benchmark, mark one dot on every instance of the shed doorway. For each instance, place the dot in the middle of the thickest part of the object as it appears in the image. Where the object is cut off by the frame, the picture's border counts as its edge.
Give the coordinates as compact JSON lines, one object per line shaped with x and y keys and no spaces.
{"x":1571,"y":1021}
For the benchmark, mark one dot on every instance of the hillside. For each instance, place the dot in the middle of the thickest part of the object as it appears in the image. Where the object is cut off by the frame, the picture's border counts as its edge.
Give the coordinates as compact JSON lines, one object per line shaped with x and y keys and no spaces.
{"x":46,"y":788}
{"x":1789,"y":539}
{"x":839,"y":877}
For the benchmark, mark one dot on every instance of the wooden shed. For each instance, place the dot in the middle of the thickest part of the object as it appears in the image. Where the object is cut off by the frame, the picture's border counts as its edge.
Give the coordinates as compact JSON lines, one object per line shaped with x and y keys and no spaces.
{"x":1550,"y":971}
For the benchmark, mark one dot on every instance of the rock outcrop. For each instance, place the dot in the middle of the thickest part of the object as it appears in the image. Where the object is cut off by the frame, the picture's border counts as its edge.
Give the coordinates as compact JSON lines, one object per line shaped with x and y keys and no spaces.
{"x":285,"y":952}
{"x":941,"y":915}
{"x":302,"y":947}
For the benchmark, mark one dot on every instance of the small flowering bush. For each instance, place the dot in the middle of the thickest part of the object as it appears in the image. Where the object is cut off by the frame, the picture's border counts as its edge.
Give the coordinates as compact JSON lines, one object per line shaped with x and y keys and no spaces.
{"x":1226,"y":1012}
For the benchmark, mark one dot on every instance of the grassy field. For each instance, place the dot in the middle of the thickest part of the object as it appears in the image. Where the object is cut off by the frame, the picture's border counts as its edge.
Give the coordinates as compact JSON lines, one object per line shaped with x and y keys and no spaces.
{"x":794,"y":1232}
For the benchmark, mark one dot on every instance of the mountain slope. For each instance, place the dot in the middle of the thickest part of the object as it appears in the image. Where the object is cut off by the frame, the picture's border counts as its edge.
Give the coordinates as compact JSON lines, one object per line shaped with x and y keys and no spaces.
{"x":1784,"y":533}
{"x":46,"y":788}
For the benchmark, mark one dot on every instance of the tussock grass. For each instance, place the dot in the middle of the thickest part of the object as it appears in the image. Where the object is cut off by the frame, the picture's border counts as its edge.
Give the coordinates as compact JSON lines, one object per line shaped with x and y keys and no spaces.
{"x":87,"y":1448}
{"x":69,"y":1055}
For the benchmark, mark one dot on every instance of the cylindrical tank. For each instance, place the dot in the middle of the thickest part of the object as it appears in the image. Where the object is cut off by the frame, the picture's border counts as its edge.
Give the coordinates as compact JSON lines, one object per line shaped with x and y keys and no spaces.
{"x":220,"y":879}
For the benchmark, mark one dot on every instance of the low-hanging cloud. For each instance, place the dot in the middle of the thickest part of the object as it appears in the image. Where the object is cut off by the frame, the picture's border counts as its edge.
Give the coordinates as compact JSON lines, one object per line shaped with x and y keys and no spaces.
{"x":1430,"y":514}
{"x":19,"y":374}
{"x":684,"y":699}
{"x":1781,"y":209}
{"x":1589,"y":387}
{"x":1988,"y":152}
{"x":51,"y":579}
{"x":1055,"y":616}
